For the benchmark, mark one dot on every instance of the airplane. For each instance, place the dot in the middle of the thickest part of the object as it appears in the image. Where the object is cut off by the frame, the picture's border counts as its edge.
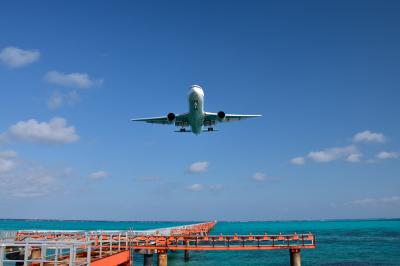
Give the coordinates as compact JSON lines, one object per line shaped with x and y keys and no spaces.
{"x":196,"y":118}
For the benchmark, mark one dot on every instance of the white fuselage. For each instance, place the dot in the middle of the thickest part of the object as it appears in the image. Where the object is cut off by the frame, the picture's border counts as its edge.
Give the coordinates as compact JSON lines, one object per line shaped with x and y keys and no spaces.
{"x":196,"y":108}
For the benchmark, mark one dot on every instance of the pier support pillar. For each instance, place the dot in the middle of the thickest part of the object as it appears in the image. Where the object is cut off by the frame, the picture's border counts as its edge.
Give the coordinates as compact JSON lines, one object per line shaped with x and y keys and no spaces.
{"x":148,"y":260}
{"x":187,"y":255}
{"x":295,"y":259}
{"x":162,"y":259}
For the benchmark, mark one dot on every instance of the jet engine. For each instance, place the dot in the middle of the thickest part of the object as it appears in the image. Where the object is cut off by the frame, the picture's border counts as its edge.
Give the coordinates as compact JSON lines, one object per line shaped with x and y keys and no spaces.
{"x":171,"y":117}
{"x":221,"y":115}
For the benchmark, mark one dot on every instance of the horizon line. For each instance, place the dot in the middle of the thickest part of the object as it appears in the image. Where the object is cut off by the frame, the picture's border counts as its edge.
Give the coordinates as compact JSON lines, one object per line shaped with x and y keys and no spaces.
{"x":196,"y":221}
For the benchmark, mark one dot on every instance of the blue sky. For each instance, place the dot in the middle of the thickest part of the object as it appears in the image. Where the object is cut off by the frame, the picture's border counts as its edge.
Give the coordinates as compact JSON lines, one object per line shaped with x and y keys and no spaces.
{"x":325,"y":77}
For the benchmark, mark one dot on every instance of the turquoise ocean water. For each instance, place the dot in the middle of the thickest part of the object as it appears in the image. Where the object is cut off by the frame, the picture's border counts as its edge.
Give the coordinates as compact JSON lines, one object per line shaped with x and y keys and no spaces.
{"x":343,"y":242}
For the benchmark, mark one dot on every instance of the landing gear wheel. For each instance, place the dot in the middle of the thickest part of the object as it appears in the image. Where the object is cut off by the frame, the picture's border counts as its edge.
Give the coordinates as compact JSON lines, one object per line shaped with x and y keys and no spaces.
{"x":182,"y":130}
{"x":210,"y":129}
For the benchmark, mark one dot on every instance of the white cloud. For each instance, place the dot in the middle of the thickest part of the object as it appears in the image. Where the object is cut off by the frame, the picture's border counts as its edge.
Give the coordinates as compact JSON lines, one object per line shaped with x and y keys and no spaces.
{"x":6,"y":165}
{"x":298,"y":161}
{"x":15,"y":57}
{"x":195,"y":187}
{"x":354,"y":157}
{"x":368,"y":136}
{"x":74,"y":80}
{"x":348,"y":153}
{"x":29,"y":181}
{"x":383,"y":155}
{"x":26,"y":179}
{"x":8,"y":154}
{"x":7,"y":161}
{"x":36,"y":182}
{"x":58,"y":99}
{"x":259,"y":176}
{"x":332,"y":154}
{"x":99,"y":175}
{"x":54,"y":131}
{"x":375,"y":201}
{"x":198,"y":167}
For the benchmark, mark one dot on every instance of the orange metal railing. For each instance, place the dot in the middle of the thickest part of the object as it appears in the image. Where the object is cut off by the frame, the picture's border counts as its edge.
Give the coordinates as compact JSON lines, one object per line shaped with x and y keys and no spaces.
{"x":225,"y":242}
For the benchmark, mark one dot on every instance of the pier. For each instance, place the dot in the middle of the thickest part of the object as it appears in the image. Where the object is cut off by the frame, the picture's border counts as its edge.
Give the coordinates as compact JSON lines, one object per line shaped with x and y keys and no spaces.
{"x":112,"y":248}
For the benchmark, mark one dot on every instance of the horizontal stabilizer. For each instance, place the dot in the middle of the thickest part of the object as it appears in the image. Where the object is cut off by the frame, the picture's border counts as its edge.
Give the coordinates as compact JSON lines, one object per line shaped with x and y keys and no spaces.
{"x":189,"y":131}
{"x":185,"y":131}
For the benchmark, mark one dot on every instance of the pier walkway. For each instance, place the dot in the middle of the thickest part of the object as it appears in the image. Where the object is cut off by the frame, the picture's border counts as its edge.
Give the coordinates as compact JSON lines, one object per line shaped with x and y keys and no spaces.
{"x":111,"y":248}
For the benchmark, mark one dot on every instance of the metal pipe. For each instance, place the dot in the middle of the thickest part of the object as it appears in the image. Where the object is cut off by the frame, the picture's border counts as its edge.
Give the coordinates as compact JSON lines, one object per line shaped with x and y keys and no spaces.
{"x":2,"y":249}
{"x":126,"y":240}
{"x":119,"y":242}
{"x":101,"y":246}
{"x":56,"y":257}
{"x":111,"y":240}
{"x":88,"y":255}
{"x":43,"y":255}
{"x":26,"y":254}
{"x":72,"y":253}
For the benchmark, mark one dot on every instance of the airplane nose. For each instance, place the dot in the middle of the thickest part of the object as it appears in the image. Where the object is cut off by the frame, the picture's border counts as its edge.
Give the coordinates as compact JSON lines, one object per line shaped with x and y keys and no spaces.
{"x":196,"y":89}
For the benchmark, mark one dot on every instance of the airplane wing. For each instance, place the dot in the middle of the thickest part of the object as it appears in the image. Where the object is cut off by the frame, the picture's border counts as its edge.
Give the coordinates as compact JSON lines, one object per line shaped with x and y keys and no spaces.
{"x":154,"y":120}
{"x":212,"y":118}
{"x":179,"y":120}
